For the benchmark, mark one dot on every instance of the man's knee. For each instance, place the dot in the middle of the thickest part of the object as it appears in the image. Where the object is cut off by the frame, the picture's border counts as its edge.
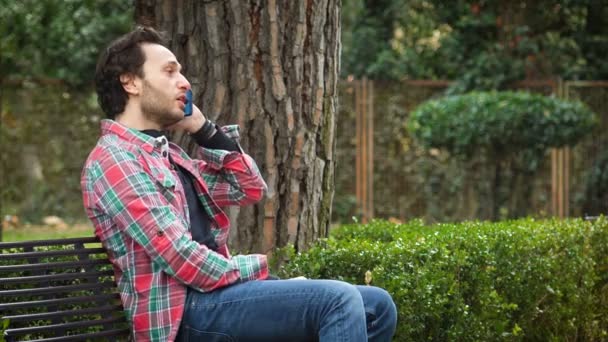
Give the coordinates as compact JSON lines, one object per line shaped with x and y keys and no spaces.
{"x":382,"y":308}
{"x":386,"y":301}
{"x":345,"y":294}
{"x":389,"y":306}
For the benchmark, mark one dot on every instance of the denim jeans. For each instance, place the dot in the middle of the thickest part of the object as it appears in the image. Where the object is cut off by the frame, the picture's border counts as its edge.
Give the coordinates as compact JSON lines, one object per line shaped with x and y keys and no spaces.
{"x":289,"y":311}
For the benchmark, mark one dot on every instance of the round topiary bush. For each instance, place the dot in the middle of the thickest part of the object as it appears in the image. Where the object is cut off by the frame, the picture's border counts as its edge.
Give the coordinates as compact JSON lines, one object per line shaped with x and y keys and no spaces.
{"x":499,"y":122}
{"x":506,"y":135}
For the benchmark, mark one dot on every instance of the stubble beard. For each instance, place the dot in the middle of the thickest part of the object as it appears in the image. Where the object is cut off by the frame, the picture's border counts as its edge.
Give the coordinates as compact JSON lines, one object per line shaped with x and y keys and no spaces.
{"x":157,"y":107}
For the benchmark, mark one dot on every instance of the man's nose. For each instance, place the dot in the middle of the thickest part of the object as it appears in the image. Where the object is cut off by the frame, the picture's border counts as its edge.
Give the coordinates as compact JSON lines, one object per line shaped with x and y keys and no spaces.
{"x":183,"y":82}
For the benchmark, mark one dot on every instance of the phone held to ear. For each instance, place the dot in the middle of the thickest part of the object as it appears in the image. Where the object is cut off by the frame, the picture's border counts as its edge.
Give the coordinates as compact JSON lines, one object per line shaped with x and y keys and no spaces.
{"x":188,"y":109}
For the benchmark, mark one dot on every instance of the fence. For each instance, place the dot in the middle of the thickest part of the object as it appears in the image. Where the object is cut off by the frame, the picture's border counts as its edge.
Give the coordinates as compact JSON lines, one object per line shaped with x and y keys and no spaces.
{"x":395,"y":178}
{"x":381,"y":171}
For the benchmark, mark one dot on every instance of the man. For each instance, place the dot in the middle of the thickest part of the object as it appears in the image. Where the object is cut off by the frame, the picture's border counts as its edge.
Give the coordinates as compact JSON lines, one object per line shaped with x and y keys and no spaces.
{"x":158,"y":213}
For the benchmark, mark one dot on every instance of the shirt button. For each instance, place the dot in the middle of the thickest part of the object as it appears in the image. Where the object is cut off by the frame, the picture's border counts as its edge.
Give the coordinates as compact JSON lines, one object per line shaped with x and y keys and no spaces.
{"x":172,"y":167}
{"x":163,"y":141}
{"x":164,"y":153}
{"x":160,"y":233}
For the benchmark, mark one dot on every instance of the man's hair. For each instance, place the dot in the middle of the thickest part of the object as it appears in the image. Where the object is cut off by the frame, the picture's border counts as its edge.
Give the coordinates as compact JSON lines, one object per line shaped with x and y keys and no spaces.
{"x":123,"y":56}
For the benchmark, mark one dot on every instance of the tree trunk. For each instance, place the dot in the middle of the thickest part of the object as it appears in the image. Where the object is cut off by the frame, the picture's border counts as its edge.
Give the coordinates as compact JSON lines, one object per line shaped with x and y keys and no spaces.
{"x":271,"y":66}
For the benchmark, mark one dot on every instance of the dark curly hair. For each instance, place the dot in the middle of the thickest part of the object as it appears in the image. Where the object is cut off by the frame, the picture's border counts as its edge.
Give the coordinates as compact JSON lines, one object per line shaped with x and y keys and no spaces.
{"x":124,"y":55}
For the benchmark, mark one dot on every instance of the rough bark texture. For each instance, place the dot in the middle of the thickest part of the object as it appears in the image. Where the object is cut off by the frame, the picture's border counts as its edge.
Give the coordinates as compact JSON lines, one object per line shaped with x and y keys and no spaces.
{"x":272,"y":67}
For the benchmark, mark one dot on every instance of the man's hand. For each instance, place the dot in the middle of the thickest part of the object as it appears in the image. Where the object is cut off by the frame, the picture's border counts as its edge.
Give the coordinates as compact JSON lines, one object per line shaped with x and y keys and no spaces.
{"x":192,"y":123}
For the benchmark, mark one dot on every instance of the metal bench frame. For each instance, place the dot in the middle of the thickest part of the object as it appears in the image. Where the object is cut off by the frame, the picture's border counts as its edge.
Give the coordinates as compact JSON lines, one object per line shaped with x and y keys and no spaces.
{"x":59,"y":290}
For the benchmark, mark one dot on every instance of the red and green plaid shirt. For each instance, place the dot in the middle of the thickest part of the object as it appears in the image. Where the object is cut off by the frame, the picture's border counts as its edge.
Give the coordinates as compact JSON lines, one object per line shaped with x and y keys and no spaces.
{"x":134,"y":198}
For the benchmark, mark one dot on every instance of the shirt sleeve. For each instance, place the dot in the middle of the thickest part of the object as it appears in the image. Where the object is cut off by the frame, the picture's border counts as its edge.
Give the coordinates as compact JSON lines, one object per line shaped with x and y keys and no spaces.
{"x":119,"y":186}
{"x":233,"y":178}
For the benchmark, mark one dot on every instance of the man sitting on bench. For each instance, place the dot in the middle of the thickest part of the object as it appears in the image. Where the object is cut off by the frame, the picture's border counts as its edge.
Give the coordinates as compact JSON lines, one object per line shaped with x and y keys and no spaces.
{"x":158,"y":213}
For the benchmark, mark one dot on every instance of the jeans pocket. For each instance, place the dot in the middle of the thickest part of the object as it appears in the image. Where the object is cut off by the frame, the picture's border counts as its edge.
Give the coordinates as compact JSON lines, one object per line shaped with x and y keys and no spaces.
{"x":193,"y":335}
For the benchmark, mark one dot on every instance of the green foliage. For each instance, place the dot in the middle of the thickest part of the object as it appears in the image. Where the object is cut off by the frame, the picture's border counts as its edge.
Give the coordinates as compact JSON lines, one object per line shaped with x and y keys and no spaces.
{"x":477,"y":281}
{"x":424,"y":183}
{"x":50,"y":129}
{"x":58,"y":39}
{"x":596,"y":188}
{"x":480,"y":45}
{"x":5,"y":324}
{"x":344,"y":207}
{"x":372,"y":24}
{"x":503,"y":134}
{"x":499,"y":123}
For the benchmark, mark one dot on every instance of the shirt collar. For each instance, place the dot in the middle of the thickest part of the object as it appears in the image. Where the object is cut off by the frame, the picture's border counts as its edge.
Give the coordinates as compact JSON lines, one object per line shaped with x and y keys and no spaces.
{"x":147,"y":141}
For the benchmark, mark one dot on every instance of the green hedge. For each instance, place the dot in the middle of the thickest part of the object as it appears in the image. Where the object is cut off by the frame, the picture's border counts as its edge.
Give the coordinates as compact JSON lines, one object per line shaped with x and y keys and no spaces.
{"x":518,"y":280}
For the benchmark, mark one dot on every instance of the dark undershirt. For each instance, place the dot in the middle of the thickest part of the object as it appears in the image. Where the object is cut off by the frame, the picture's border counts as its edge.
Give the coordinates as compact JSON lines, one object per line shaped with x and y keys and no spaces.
{"x":200,"y":222}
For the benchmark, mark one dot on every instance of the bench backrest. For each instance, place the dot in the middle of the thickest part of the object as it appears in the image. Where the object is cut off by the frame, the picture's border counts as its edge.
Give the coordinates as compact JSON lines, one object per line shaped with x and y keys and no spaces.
{"x":59,"y":290}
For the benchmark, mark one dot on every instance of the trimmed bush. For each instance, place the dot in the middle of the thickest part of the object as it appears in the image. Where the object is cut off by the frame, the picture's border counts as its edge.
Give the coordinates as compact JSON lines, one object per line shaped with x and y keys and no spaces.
{"x":503,"y":136}
{"x":500,"y":123}
{"x":477,"y":281}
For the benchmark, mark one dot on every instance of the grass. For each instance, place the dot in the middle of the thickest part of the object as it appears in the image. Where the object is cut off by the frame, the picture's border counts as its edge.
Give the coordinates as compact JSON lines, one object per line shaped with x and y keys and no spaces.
{"x":41,"y":232}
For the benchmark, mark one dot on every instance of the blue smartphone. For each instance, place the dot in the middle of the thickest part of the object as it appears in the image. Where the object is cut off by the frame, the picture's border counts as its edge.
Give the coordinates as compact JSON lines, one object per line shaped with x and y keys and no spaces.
{"x":188,"y":109}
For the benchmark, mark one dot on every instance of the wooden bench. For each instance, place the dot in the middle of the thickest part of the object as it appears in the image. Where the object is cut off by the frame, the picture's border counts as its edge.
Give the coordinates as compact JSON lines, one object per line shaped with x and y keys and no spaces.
{"x":59,"y":290}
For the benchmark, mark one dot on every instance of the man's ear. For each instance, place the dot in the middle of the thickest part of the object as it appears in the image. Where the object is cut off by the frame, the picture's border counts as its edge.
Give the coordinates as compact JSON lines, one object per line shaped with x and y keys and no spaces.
{"x":130,"y":83}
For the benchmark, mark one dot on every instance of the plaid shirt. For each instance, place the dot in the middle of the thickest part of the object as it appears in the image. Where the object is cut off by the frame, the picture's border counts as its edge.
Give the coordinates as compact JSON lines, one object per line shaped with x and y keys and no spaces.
{"x":137,"y":204}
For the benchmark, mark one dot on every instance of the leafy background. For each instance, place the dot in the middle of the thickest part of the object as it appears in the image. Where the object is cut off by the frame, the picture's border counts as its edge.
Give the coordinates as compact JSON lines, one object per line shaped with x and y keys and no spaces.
{"x":49,"y":117}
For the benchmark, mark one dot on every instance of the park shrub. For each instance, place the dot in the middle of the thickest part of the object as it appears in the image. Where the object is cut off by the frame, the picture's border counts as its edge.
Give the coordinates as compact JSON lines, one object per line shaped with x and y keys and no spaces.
{"x":476,"y":281}
{"x":500,"y":122}
{"x":502,"y":135}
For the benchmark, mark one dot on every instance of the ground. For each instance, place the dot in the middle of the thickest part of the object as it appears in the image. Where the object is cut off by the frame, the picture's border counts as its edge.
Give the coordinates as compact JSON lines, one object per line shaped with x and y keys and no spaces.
{"x":43,"y":232}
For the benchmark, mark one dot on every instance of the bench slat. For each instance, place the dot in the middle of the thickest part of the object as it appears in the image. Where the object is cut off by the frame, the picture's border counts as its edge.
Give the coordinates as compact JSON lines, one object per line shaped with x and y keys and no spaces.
{"x":56,"y":289}
{"x":75,"y":269}
{"x":63,"y":313}
{"x":88,"y":337}
{"x":56,"y":277}
{"x":58,"y":253}
{"x":102,"y":298}
{"x":52,"y":265}
{"x":70,"y":325}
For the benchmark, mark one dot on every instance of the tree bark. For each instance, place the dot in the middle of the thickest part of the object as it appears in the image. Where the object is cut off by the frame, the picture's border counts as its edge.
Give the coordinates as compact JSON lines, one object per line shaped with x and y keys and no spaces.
{"x":270,"y":66}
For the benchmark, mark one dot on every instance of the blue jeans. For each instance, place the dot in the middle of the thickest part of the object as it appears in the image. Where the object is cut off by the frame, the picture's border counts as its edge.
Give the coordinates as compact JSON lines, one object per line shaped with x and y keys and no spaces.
{"x":289,"y":311}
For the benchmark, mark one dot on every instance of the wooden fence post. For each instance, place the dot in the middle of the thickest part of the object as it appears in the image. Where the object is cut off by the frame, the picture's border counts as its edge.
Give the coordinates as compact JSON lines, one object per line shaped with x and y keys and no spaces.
{"x":560,"y":169}
{"x":364,"y":173}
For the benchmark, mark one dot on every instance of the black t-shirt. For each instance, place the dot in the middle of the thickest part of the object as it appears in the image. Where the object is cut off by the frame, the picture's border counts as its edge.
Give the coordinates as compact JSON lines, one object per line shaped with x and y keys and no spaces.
{"x":200,"y":222}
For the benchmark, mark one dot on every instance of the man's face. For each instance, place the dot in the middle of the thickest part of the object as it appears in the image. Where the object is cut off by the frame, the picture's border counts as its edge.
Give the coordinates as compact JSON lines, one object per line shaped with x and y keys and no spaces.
{"x":163,"y":93}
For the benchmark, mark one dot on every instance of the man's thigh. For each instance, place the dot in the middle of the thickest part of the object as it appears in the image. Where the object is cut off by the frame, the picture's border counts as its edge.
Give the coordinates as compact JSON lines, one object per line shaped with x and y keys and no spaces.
{"x":279,"y":310}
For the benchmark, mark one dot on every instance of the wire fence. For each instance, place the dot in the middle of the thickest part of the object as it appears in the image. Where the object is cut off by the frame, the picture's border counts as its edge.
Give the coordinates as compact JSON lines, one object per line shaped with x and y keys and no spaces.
{"x":395,"y":178}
